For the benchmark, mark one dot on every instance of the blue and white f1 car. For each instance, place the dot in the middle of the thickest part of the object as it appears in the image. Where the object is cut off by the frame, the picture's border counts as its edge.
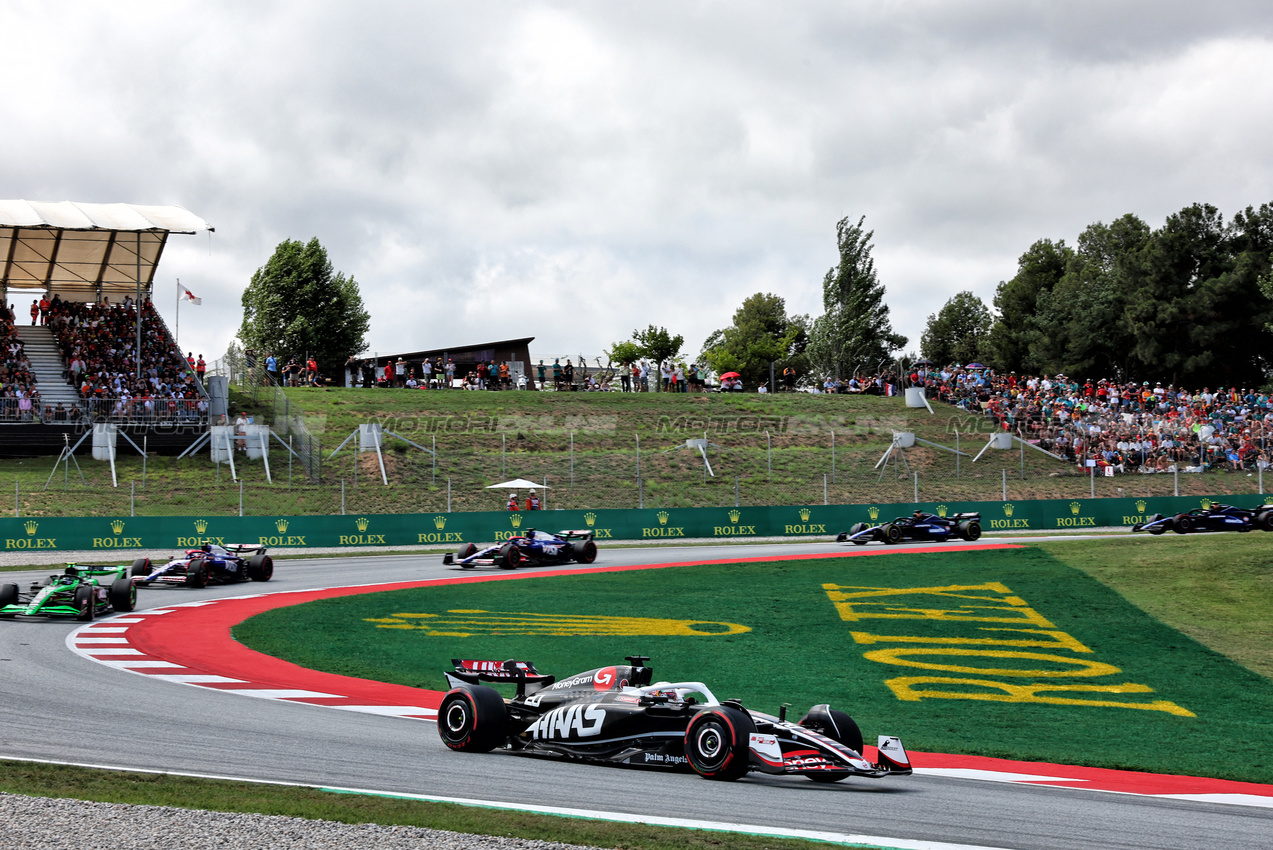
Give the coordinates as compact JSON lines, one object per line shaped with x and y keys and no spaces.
{"x":919,"y":526}
{"x":532,"y":548}
{"x":209,"y":564}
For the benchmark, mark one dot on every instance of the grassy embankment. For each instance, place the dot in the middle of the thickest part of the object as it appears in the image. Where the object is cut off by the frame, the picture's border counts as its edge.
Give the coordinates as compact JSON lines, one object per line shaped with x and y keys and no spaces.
{"x":486,"y":437}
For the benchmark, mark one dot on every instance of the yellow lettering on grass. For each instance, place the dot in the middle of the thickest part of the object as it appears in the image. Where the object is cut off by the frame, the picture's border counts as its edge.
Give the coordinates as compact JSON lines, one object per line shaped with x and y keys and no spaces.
{"x":1057,"y":640}
{"x":900,"y":656}
{"x":905,"y":689}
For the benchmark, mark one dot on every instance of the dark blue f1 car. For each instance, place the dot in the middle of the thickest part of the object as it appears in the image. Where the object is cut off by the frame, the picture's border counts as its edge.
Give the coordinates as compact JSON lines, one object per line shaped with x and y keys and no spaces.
{"x":1214,"y":518}
{"x":209,"y":564}
{"x":530,"y":549}
{"x":919,"y":526}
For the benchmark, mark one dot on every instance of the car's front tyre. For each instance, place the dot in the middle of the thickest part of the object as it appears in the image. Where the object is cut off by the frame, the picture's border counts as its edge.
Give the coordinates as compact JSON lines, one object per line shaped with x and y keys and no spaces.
{"x":84,"y":603}
{"x":510,"y":557}
{"x":197,"y":574}
{"x":123,"y":594}
{"x":472,"y":719}
{"x":716,"y":743}
{"x":892,"y":534}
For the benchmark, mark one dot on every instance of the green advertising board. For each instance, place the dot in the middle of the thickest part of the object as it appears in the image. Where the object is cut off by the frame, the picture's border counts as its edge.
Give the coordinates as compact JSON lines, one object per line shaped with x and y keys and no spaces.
{"x":451,"y":529}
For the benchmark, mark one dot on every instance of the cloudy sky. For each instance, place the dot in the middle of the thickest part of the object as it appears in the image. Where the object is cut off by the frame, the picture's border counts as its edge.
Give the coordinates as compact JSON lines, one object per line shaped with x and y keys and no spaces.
{"x":573,"y":171}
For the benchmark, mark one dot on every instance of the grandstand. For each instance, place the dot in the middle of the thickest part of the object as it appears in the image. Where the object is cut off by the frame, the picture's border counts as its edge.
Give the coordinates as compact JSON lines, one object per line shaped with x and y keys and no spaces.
{"x":96,"y":351}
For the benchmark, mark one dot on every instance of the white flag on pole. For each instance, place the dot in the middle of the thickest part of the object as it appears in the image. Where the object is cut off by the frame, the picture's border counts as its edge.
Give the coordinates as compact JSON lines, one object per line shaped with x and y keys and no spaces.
{"x":187,"y":295}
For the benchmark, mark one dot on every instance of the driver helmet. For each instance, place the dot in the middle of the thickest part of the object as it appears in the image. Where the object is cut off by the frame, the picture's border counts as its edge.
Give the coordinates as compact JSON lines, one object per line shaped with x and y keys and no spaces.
{"x":207,"y":547}
{"x":71,"y":570}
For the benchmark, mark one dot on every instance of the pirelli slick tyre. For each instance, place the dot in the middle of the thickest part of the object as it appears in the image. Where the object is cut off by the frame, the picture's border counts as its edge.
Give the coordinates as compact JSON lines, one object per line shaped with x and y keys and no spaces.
{"x":8,"y":596}
{"x":473,"y":719}
{"x":141,"y":567}
{"x":510,"y":557}
{"x":892,"y":534}
{"x":1264,"y":520}
{"x":584,"y":551}
{"x":261,"y":568}
{"x":85,"y":604}
{"x":837,"y":726}
{"x":123,"y":594}
{"x":468,"y":550}
{"x":197,"y":573}
{"x":969,"y":530}
{"x":1182,"y":524}
{"x":717,"y":743}
{"x":1157,"y":529}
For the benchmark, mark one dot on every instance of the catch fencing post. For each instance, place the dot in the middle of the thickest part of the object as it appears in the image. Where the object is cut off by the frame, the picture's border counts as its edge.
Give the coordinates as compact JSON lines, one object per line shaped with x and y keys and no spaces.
{"x":144,"y":446}
{"x":640,"y":493}
{"x":824,"y":489}
{"x":240,"y":497}
{"x":132,"y":500}
{"x":1175,"y":474}
{"x":342,"y":497}
{"x":1092,"y":470}
{"x":916,"y":474}
{"x":448,"y":494}
{"x":957,"y":454}
{"x":824,"y":483}
{"x":1005,"y":485}
{"x":572,"y":458}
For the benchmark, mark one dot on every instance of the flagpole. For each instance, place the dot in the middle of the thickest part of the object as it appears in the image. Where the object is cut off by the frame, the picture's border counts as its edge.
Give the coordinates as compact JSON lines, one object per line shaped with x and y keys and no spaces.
{"x":176,"y":335}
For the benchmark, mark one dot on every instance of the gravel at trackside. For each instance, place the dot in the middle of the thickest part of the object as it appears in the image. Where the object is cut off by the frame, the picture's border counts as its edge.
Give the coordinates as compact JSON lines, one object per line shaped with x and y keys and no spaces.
{"x":40,"y":823}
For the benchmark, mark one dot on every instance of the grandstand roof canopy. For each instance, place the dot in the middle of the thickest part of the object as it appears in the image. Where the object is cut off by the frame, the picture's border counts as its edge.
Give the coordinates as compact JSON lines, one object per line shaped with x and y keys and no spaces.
{"x":84,"y":251}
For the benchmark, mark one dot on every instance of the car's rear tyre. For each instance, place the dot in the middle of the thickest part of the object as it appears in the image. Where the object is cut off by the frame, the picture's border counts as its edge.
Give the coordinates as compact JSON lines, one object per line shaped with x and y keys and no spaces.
{"x":8,"y":596}
{"x":261,"y":568}
{"x":197,"y":574}
{"x":141,"y":567}
{"x":510,"y":557}
{"x":585,"y":551}
{"x":1183,"y":524}
{"x":970,"y":530}
{"x":1264,"y":520}
{"x":473,"y":719}
{"x":123,"y":594}
{"x":716,"y":743}
{"x":84,"y":603}
{"x":892,"y":534}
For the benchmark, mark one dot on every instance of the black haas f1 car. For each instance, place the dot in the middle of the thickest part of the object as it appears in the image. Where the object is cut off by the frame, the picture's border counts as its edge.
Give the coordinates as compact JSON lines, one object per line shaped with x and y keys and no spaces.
{"x":919,"y":526}
{"x":1214,"y":518}
{"x":79,"y":592}
{"x":209,"y":564}
{"x":530,"y":549}
{"x":617,"y":715}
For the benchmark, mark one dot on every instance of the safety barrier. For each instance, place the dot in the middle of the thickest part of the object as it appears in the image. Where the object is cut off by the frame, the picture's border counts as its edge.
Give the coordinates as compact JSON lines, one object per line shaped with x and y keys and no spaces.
{"x":446,"y":529}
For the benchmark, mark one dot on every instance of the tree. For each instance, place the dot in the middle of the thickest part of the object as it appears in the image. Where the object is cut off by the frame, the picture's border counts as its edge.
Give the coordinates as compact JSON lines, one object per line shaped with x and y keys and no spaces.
{"x":761,"y":334}
{"x":624,"y":353}
{"x":854,"y":332}
{"x":958,"y":332}
{"x":657,"y":344}
{"x":1038,"y":271}
{"x":296,"y":304}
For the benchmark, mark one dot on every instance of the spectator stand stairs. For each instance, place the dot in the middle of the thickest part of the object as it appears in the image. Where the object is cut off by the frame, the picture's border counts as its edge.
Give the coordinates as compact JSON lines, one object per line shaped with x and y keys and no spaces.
{"x":47,"y":366}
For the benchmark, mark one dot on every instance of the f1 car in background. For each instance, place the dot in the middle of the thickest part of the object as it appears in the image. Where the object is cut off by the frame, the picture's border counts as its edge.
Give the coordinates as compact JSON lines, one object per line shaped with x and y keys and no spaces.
{"x":79,"y":592}
{"x":617,"y":715}
{"x":1214,"y":518}
{"x":533,"y":548}
{"x":919,"y":526}
{"x":209,"y":564}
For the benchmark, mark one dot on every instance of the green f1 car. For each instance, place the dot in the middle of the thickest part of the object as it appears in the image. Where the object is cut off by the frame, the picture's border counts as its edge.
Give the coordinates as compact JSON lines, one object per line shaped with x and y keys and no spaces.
{"x":79,"y":592}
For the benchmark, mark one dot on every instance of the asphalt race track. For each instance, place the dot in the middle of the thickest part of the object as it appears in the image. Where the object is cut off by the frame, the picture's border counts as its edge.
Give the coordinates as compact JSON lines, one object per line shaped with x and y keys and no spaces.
{"x":111,"y":718}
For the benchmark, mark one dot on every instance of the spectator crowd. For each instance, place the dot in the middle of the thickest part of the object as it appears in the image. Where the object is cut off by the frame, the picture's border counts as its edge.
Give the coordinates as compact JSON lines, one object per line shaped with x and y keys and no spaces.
{"x":1125,"y":426}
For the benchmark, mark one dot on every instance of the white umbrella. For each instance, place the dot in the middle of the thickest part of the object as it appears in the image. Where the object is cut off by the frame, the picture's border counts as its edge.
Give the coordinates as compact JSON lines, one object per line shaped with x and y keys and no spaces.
{"x":518,"y":484}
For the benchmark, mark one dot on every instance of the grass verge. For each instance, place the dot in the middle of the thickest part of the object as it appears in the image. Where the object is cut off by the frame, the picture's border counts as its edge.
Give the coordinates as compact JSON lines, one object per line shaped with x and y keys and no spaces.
{"x":47,"y":780}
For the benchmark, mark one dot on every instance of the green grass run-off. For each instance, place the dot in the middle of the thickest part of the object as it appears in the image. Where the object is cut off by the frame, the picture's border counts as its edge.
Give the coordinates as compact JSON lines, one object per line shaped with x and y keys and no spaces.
{"x":799,"y":650}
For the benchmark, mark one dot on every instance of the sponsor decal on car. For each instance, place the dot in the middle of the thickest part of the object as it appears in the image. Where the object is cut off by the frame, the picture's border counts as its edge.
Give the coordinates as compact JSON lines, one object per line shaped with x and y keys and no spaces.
{"x":572,"y":721}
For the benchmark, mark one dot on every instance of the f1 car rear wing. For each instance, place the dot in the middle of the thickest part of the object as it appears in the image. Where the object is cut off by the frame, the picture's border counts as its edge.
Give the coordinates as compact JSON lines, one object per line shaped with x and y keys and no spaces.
{"x":580,"y":534}
{"x":240,"y":548}
{"x":966,"y":515}
{"x":521,"y":673}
